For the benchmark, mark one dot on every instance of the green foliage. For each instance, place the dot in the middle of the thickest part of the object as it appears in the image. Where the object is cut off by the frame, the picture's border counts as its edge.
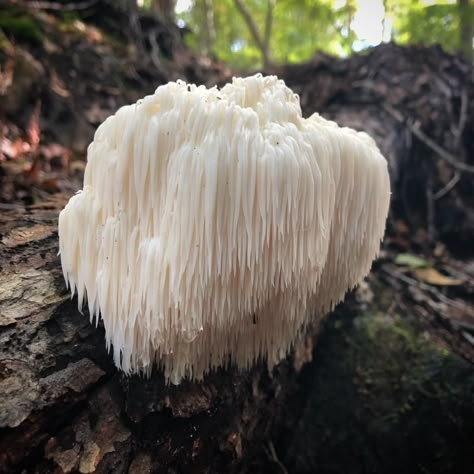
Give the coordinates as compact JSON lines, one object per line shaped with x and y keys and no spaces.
{"x":411,"y":261}
{"x":302,"y":28}
{"x":19,"y":26}
{"x":299,"y":29}
{"x":414,"y":22}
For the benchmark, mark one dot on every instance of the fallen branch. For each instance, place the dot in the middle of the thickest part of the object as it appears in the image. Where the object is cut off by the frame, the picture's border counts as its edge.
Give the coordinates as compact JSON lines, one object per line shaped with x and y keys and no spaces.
{"x":449,"y":186}
{"x":441,"y":152}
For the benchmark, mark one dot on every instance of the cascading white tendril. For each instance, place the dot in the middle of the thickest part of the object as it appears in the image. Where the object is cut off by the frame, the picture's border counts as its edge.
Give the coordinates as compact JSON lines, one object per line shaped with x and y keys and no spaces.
{"x":215,"y":225}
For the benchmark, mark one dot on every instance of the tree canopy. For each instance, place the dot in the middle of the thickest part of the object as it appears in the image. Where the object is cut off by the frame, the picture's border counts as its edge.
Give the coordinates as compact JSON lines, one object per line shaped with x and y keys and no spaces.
{"x":255,"y":33}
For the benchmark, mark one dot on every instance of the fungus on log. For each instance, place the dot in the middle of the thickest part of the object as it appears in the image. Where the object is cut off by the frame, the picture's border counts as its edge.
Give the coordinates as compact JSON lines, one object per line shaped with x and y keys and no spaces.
{"x":218,"y":224}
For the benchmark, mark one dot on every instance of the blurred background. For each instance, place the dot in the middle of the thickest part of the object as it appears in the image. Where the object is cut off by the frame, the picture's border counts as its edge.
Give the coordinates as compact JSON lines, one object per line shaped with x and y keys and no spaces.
{"x":391,"y":384}
{"x":262,"y":33}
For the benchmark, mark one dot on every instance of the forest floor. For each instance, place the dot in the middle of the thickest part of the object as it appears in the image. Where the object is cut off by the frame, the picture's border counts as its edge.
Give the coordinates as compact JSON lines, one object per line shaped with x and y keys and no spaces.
{"x":392,"y":385}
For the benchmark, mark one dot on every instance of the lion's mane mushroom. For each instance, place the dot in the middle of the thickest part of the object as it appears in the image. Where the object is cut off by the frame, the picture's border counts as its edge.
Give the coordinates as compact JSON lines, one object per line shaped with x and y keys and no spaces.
{"x":215,"y":225}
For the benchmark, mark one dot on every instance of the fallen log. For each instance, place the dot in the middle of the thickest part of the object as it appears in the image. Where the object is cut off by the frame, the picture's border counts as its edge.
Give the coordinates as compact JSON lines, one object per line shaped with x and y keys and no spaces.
{"x":374,"y":371}
{"x":64,"y":406}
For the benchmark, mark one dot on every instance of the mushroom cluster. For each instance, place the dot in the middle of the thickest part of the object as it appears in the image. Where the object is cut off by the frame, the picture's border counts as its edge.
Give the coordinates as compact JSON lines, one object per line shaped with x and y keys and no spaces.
{"x":215,"y":224}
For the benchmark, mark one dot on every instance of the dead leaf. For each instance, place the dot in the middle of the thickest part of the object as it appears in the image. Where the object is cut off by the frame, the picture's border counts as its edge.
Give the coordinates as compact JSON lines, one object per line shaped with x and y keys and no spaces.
{"x":433,"y":277}
{"x":33,"y":131}
{"x":57,"y":85}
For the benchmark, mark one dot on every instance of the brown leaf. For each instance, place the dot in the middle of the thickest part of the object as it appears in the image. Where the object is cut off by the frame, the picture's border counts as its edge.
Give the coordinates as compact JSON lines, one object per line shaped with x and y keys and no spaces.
{"x":34,"y":128}
{"x":50,"y":185}
{"x":57,"y":85}
{"x":433,"y":277}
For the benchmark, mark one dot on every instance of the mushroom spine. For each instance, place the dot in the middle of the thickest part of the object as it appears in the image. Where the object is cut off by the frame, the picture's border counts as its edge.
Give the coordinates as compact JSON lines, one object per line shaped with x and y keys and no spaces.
{"x":215,"y":224}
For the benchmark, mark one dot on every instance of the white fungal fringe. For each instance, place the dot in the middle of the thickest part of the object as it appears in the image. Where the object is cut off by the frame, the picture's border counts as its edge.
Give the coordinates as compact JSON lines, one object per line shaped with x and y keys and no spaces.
{"x":215,"y":225}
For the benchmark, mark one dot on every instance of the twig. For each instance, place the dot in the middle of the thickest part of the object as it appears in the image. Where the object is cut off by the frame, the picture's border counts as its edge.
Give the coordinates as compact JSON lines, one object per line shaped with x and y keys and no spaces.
{"x":393,"y":271}
{"x":6,"y":78}
{"x":449,"y":186}
{"x":252,"y":26}
{"x":136,"y":28}
{"x":9,"y":207}
{"x":468,"y":337}
{"x":462,"y":118}
{"x":275,"y":459}
{"x":441,"y":152}
{"x":155,"y":50}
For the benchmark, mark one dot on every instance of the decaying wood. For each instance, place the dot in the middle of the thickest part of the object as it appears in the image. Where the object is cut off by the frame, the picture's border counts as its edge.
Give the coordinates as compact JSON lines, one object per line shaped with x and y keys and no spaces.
{"x":65,"y":408}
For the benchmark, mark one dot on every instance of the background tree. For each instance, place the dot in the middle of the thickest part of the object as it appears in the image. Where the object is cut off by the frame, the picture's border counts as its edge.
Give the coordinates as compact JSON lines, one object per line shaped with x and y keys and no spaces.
{"x":250,"y":34}
{"x":164,"y":9}
{"x":466,"y":28}
{"x":261,"y":41}
{"x":445,"y":23}
{"x":255,"y":33}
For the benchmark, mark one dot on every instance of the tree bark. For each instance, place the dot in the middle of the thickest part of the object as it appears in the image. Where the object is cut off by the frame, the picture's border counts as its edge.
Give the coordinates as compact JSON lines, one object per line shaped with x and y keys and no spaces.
{"x":65,"y":408}
{"x":466,"y":28}
{"x":261,"y":43}
{"x":63,"y":405}
{"x":211,"y":29}
{"x":164,"y":9}
{"x":268,"y":27}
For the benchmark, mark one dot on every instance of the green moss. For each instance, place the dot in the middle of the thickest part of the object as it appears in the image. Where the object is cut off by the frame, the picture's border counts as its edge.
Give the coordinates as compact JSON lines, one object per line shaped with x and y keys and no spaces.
{"x":385,"y":396}
{"x":5,"y":45}
{"x":20,"y":26}
{"x":67,"y":22}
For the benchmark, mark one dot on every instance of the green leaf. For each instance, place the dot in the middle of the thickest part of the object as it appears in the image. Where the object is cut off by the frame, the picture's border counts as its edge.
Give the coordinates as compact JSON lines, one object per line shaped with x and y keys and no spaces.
{"x":411,"y":261}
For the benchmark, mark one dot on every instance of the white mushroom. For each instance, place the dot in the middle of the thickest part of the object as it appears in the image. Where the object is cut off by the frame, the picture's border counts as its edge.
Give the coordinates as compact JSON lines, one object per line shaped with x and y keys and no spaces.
{"x":215,"y":225}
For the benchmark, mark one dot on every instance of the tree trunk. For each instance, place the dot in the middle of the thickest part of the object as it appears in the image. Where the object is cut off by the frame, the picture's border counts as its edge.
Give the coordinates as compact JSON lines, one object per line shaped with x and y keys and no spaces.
{"x":268,"y":29}
{"x":466,"y":28}
{"x":211,"y":29}
{"x":164,"y":9}
{"x":261,"y":43}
